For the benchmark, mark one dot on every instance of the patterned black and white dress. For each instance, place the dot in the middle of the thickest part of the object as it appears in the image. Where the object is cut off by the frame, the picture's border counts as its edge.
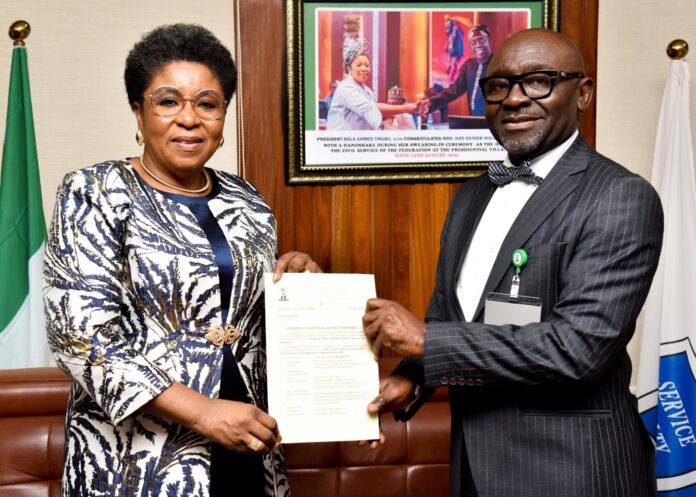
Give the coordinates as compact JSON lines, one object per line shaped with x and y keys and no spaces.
{"x":131,"y":289}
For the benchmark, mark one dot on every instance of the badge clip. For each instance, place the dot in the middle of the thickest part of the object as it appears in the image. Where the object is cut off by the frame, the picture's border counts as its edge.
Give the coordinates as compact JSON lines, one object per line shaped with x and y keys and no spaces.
{"x":519,"y":259}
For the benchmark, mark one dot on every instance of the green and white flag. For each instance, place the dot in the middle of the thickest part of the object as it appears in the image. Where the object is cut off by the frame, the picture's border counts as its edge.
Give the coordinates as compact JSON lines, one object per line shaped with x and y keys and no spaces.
{"x":22,"y":231}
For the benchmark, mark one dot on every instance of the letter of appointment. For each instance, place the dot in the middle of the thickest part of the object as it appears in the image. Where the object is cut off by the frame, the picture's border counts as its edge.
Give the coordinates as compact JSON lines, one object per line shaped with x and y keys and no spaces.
{"x":321,"y":370}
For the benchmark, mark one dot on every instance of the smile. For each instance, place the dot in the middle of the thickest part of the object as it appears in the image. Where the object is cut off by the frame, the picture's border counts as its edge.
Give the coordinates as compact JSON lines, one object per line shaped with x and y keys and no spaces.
{"x":519,"y":122}
{"x":188,"y":143}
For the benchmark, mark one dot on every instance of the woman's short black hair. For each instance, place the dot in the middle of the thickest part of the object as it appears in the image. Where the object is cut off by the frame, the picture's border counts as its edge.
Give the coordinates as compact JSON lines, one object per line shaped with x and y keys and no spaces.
{"x":173,"y":43}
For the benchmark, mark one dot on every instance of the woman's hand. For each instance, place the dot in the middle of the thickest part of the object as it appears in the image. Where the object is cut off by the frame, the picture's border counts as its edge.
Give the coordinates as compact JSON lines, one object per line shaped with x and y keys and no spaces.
{"x":294,"y":262}
{"x":411,"y":108}
{"x":238,"y":426}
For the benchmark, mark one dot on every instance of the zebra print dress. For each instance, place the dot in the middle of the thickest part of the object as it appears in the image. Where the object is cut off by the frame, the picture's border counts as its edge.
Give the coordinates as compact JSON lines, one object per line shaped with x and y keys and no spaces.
{"x":131,"y":288}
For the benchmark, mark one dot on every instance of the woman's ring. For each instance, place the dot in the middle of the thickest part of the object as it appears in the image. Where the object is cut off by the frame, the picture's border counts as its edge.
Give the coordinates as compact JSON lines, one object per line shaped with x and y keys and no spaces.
{"x":256,"y":444}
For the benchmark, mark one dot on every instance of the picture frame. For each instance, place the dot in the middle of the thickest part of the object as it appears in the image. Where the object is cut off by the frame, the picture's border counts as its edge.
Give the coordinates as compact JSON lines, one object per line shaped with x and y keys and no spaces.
{"x":339,"y":128}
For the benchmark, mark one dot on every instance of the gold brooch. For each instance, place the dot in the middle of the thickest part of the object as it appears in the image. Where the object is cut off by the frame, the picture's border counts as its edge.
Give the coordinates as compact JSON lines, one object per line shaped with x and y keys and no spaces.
{"x":219,"y":335}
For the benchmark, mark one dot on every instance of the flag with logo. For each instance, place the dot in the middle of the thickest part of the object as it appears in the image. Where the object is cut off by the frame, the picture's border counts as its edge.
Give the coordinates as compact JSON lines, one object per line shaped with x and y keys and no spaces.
{"x":22,"y":231}
{"x":667,"y":370}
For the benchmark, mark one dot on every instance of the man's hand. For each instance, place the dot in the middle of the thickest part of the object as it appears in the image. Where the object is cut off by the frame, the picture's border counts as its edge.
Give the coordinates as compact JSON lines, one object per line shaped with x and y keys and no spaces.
{"x":423,"y":107}
{"x":389,"y":324}
{"x":395,"y":392}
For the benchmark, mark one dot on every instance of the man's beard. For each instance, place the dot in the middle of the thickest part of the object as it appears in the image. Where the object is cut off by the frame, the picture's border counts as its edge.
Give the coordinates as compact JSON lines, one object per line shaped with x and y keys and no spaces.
{"x":523,"y":147}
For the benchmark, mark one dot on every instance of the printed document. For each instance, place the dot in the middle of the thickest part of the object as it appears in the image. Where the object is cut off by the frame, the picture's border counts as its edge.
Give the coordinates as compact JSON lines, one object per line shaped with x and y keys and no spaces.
{"x":321,"y":370}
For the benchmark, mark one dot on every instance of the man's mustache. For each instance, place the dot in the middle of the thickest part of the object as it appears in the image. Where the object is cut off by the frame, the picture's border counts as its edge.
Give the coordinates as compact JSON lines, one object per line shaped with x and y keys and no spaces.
{"x":519,"y":116}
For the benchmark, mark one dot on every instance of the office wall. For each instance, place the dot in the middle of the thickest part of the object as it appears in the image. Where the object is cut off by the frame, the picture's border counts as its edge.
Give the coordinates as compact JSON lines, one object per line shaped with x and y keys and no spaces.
{"x":631,"y":72}
{"x":391,"y":230}
{"x":77,"y":52}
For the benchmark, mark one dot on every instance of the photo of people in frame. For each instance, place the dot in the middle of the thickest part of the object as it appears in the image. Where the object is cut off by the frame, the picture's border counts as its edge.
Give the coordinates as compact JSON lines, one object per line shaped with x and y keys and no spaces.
{"x":389,"y":89}
{"x":433,"y":56}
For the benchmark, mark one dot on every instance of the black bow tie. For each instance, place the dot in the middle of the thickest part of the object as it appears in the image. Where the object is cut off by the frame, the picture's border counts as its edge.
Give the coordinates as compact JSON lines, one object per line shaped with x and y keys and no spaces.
{"x":501,"y":175}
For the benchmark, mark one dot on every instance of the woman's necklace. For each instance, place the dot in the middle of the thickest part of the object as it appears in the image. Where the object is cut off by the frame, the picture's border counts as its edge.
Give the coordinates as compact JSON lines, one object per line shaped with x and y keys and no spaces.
{"x":185,"y":190}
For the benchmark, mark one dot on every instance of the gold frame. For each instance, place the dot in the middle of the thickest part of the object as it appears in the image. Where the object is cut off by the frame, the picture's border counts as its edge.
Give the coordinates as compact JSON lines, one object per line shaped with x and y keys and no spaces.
{"x":241,"y":161}
{"x":300,"y":174}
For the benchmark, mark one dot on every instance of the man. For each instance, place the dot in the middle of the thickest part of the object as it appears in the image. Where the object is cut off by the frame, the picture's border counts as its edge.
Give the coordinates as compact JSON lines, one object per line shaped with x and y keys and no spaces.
{"x":543,"y":408}
{"x":332,"y":90}
{"x":469,"y":74}
{"x":325,"y":103}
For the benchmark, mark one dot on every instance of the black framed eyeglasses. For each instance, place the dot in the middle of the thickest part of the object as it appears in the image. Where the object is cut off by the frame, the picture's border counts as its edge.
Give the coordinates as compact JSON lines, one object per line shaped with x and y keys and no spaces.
{"x":535,"y":84}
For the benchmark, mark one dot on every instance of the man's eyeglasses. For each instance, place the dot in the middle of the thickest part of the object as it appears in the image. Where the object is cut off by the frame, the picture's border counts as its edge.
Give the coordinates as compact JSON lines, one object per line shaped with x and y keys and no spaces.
{"x":535,"y":84}
{"x":168,"y":102}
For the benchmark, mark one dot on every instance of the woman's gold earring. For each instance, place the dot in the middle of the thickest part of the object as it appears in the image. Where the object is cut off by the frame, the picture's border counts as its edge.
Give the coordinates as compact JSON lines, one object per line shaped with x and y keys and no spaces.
{"x":222,"y":142}
{"x":139,"y":138}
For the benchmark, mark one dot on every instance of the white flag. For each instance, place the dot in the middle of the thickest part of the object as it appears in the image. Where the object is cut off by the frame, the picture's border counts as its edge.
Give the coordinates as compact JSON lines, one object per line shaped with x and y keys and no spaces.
{"x":667,"y":372}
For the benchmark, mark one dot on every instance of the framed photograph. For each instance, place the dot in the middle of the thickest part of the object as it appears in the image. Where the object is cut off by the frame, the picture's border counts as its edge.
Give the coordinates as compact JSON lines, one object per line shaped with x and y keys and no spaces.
{"x":388,"y":91}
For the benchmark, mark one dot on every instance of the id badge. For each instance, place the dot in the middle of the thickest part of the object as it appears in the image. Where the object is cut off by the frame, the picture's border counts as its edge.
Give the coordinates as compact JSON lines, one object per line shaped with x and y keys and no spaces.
{"x":501,"y":308}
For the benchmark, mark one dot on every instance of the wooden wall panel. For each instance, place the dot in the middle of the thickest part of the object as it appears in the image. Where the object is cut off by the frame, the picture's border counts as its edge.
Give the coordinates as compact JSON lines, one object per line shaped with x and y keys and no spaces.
{"x":391,"y":230}
{"x":579,"y":21}
{"x":341,"y":254}
{"x":381,"y":237}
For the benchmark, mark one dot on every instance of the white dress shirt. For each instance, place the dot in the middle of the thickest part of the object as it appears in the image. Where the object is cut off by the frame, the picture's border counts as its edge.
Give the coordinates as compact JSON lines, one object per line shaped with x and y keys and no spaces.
{"x":501,"y":212}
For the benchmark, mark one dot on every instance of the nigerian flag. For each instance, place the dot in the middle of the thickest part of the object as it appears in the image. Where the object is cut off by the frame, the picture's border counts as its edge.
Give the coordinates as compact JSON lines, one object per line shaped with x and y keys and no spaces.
{"x":22,"y":231}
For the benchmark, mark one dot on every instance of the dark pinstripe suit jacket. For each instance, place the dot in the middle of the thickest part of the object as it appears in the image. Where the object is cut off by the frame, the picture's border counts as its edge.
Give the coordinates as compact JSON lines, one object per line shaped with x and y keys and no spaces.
{"x":545,"y":409}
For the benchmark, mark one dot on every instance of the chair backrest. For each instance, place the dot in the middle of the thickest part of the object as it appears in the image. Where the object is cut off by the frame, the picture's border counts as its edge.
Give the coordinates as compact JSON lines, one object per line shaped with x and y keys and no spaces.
{"x":32,"y":414}
{"x":413,"y":463}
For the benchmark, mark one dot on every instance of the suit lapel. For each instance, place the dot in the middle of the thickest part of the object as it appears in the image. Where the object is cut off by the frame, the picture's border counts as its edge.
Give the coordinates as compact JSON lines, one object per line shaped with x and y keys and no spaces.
{"x":559,"y":183}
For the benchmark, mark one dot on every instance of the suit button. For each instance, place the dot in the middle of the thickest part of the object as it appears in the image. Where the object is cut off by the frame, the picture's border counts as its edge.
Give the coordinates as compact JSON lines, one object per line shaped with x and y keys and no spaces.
{"x":479,"y":382}
{"x":470,"y":382}
{"x":453,"y":381}
{"x":461,"y":381}
{"x":444,"y":380}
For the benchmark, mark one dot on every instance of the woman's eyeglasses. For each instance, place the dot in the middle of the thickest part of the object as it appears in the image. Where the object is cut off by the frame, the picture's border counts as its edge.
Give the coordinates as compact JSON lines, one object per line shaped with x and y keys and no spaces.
{"x":168,"y":101}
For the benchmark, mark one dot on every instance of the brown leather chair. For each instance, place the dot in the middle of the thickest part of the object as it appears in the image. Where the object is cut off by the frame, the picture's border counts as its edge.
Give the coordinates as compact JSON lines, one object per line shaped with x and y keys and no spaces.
{"x":413,"y":463}
{"x":32,"y":410}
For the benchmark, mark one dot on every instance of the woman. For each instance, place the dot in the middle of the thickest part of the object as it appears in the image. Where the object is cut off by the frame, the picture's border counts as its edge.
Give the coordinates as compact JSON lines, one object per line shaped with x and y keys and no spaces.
{"x":154,"y":295}
{"x":353,"y":106}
